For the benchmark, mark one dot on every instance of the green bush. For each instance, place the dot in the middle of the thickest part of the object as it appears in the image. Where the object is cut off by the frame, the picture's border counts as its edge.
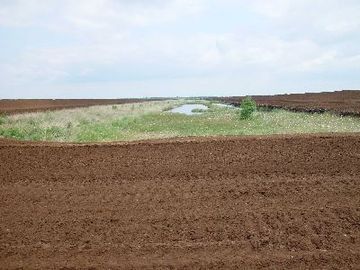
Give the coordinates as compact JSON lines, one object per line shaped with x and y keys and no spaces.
{"x":247,"y":108}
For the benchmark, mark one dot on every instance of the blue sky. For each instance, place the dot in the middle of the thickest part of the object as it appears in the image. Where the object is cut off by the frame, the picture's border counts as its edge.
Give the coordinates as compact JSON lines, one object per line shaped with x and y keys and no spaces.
{"x":123,"y":48}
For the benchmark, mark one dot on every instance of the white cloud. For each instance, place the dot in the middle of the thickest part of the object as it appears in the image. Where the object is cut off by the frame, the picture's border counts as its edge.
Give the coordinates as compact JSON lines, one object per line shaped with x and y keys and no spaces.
{"x":93,"y":14}
{"x":207,"y":53}
{"x":334,"y":16}
{"x":292,"y":37}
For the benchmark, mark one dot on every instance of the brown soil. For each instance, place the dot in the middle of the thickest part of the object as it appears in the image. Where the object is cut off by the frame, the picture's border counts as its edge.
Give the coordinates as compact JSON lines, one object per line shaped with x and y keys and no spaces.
{"x":340,"y":102}
{"x":11,"y":106}
{"x":276,"y":202}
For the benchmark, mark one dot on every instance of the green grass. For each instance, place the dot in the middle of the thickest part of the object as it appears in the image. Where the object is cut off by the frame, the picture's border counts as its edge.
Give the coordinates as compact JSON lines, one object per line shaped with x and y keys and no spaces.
{"x":198,"y":110}
{"x":152,"y":120}
{"x":2,"y":119}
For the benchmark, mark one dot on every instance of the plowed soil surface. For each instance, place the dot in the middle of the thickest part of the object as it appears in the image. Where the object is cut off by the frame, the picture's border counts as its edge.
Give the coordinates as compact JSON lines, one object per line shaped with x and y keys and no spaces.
{"x":340,"y":102}
{"x":11,"y":106}
{"x":248,"y":202}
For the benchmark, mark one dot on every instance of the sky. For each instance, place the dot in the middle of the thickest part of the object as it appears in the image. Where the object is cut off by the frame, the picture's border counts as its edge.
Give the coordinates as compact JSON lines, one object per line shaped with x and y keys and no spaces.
{"x":144,"y":48}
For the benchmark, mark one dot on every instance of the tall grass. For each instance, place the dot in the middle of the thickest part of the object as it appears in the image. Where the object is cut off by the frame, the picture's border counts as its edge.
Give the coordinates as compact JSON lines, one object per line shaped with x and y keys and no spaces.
{"x":2,"y":119}
{"x":152,"y":120}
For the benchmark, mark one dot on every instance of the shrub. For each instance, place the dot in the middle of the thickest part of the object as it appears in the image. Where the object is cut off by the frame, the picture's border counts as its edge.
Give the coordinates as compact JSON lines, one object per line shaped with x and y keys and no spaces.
{"x":114,"y":107}
{"x":247,"y":106}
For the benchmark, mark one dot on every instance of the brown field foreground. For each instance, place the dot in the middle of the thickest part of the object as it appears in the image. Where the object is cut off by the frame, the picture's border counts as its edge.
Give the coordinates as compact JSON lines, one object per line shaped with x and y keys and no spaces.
{"x":290,"y":201}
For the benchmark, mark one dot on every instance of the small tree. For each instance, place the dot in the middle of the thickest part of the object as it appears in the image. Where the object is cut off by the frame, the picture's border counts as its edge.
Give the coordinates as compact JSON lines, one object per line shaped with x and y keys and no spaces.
{"x":247,"y":107}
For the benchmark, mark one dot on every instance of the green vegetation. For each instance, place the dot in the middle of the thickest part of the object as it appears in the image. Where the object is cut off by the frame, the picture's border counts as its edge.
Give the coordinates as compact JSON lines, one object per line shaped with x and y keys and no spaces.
{"x":151,"y":120}
{"x":198,"y":110}
{"x":2,"y":119}
{"x":248,"y":107}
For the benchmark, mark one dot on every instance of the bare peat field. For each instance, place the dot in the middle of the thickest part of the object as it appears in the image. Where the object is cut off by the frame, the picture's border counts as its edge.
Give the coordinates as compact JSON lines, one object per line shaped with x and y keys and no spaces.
{"x":341,"y":102}
{"x":12,"y":106}
{"x":290,"y":201}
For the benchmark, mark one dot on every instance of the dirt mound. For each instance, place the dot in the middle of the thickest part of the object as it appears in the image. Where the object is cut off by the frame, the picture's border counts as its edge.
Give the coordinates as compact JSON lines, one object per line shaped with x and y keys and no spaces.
{"x":11,"y":106}
{"x":251,"y":202}
{"x":340,"y":102}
